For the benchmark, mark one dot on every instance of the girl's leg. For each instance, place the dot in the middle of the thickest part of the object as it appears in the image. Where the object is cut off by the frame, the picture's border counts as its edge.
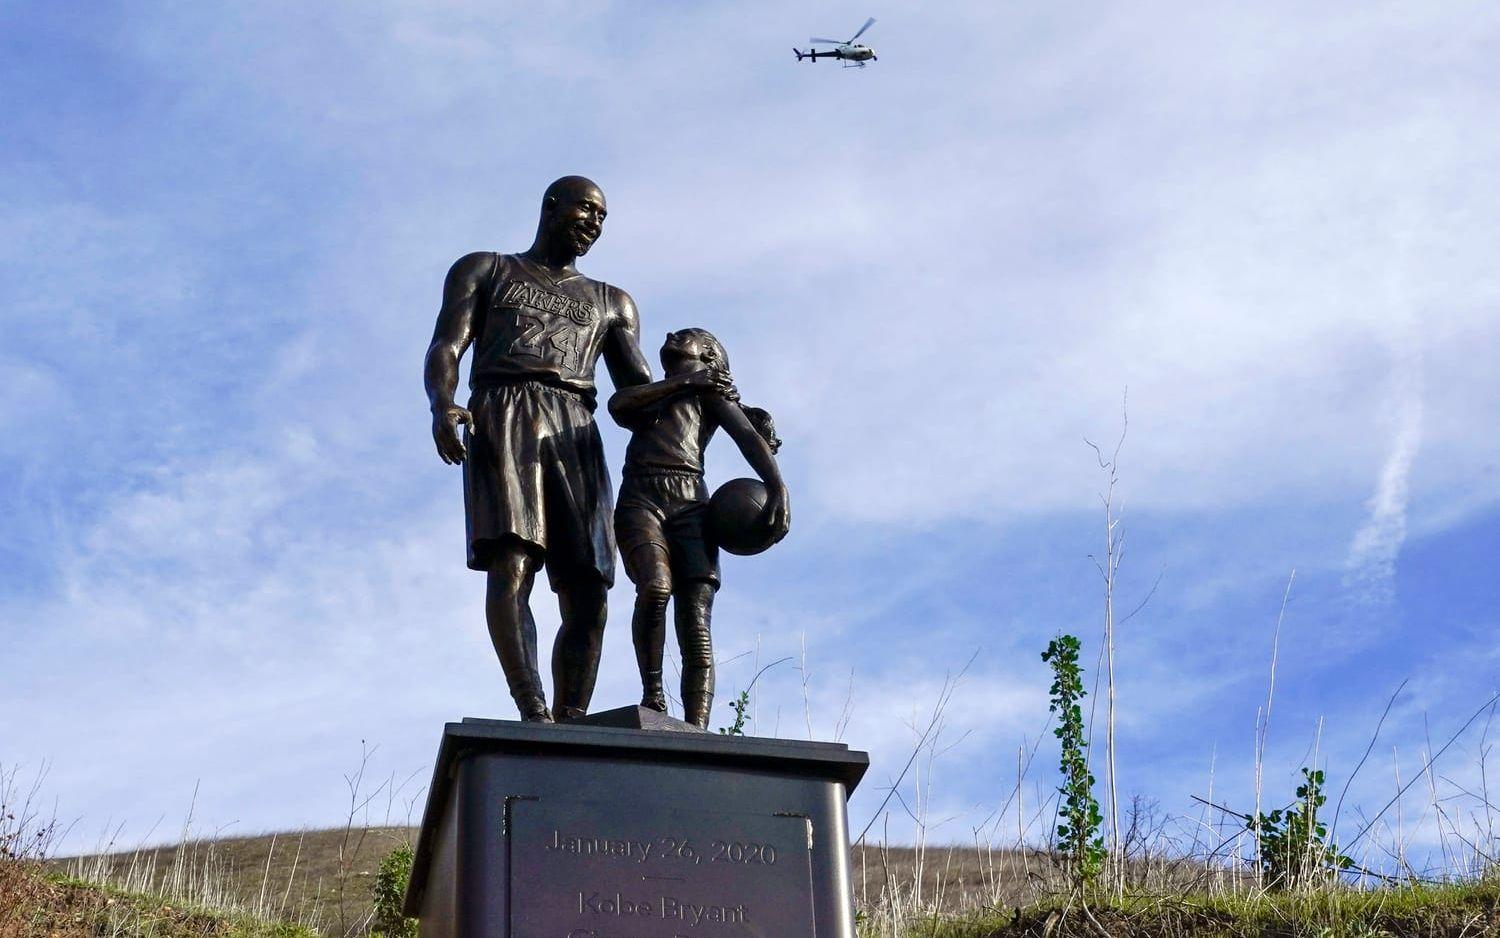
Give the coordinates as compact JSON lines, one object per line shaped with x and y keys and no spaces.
{"x":693,"y":608}
{"x":648,"y":626}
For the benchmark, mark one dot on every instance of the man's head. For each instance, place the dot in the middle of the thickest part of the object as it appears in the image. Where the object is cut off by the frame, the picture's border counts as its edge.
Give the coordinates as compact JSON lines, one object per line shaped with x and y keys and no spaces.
{"x":572,"y":216}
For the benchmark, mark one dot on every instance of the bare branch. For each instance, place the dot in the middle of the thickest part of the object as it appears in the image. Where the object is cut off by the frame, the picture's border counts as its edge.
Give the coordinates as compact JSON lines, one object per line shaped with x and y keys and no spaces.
{"x":1350,"y":780}
{"x":1433,"y":758}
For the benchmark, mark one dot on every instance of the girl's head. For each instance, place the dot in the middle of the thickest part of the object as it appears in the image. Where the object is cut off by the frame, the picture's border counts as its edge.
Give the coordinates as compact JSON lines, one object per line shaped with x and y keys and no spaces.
{"x":693,"y":350}
{"x":689,"y":350}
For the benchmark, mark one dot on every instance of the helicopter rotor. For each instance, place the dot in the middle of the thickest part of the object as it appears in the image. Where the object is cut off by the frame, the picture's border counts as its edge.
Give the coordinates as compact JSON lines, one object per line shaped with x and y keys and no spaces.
{"x":850,"y":41}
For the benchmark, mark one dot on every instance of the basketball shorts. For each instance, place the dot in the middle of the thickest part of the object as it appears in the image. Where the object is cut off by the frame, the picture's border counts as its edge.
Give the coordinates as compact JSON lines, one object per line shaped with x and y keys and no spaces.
{"x":668,"y":510}
{"x":535,"y":473}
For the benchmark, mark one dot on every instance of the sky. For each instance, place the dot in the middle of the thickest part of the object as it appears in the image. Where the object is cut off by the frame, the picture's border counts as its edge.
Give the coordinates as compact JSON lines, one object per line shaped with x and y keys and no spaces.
{"x":1260,"y":237}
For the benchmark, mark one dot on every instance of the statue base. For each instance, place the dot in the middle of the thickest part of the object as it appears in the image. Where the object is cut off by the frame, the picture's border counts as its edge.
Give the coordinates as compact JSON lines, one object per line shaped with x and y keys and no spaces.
{"x":631,"y":824}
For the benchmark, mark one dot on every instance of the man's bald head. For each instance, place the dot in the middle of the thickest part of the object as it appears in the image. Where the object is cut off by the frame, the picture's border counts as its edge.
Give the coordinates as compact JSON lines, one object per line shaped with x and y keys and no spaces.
{"x":571,"y":186}
{"x":572,"y":217}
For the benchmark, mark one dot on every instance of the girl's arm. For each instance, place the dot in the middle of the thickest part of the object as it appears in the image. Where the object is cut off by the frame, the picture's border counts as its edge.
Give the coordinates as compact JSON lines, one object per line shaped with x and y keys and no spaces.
{"x":757,"y":453}
{"x":626,"y":404}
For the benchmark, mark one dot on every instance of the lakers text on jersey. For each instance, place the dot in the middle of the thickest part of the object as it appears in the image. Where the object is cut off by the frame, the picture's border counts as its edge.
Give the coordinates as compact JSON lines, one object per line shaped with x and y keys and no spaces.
{"x":534,"y":329}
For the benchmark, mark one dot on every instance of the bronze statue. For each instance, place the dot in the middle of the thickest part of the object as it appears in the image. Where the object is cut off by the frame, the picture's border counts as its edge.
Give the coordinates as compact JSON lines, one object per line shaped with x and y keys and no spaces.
{"x":663,"y":507}
{"x":536,"y":489}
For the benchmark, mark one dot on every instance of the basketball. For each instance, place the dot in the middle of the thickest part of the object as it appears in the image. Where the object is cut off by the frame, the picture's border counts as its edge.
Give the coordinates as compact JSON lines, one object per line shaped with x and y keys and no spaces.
{"x":734,"y":517}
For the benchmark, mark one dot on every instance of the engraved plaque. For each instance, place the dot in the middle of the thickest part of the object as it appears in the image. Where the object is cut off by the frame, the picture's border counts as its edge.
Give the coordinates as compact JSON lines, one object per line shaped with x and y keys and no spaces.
{"x":593,"y":870}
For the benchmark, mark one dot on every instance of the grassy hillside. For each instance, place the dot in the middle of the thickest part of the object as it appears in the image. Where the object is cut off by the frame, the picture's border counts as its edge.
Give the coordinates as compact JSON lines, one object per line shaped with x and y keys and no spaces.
{"x":38,"y":901}
{"x":320,"y":879}
{"x":294,"y":880}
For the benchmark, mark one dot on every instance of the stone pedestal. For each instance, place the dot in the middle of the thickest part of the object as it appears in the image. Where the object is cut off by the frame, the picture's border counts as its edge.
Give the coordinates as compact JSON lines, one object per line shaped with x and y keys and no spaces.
{"x":604,"y":829}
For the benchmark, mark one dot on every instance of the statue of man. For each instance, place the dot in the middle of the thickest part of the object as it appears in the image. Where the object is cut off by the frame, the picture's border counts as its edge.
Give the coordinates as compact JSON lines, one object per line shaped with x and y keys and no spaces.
{"x":536,"y":490}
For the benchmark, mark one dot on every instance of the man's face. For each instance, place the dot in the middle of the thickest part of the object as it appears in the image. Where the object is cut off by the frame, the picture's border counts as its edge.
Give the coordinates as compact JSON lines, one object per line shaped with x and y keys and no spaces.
{"x":578,"y":218}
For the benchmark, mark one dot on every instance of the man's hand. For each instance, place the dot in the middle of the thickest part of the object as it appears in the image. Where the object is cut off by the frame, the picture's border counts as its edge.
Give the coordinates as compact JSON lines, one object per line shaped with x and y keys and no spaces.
{"x":715,"y":380}
{"x":778,"y":513}
{"x":445,"y":421}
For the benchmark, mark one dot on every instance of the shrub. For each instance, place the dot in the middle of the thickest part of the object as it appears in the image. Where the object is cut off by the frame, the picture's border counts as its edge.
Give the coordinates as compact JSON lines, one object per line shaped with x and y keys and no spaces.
{"x":741,"y":707}
{"x":1078,"y":838}
{"x":389,"y":891}
{"x":1294,"y":850}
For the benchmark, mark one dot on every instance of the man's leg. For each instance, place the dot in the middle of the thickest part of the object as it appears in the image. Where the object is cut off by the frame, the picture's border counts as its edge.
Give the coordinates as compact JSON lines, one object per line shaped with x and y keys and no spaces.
{"x":692,"y":608}
{"x":507,"y":609}
{"x":583,"y":602}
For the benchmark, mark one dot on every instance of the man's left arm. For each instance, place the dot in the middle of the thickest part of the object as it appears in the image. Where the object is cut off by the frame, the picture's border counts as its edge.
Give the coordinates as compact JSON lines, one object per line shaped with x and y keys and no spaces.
{"x":622,"y":344}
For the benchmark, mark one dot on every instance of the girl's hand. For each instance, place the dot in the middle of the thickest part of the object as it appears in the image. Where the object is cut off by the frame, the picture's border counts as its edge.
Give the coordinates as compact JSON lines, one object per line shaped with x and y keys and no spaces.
{"x":778,"y":513}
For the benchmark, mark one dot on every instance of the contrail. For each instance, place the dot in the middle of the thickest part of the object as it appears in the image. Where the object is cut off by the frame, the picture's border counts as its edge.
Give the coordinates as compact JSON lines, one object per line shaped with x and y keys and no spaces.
{"x":1372,"y":555}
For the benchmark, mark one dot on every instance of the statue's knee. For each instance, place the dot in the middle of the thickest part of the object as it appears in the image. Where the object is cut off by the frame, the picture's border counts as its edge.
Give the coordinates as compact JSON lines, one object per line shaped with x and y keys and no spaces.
{"x":653,"y":594}
{"x":506,"y":583}
{"x":510,"y":571}
{"x":586,"y":592}
{"x":584,"y":602}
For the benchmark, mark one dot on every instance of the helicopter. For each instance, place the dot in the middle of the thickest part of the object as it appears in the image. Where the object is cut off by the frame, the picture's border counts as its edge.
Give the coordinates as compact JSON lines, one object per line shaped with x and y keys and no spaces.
{"x":854,"y":54}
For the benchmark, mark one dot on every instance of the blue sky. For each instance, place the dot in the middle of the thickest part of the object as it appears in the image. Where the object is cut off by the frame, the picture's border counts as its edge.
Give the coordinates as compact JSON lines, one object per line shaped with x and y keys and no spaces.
{"x":231,"y":553}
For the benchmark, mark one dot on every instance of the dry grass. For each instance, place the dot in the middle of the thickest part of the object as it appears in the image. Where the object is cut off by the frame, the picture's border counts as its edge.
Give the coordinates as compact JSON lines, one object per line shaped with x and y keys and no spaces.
{"x":291,"y":877}
{"x":949,"y":880}
{"x":1461,"y":911}
{"x":36,"y":902}
{"x":939,"y":892}
{"x":37,"y":898}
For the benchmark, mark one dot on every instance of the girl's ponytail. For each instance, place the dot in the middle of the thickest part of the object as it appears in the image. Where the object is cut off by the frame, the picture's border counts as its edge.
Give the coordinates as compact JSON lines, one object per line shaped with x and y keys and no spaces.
{"x":718,"y":359}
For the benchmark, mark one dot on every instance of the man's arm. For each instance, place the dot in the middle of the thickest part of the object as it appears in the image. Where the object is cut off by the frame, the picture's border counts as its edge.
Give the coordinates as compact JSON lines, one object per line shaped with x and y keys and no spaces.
{"x":450,"y":338}
{"x":757,"y":453}
{"x":622,"y":344}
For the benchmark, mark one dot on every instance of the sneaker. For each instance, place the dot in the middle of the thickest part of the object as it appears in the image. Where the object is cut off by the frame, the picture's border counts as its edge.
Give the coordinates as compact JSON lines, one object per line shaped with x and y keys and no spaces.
{"x":535,"y":711}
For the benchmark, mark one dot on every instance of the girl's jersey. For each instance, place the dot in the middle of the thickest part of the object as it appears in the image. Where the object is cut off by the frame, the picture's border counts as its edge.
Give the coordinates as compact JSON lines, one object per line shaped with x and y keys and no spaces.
{"x":538,"y":328}
{"x":671,"y":436}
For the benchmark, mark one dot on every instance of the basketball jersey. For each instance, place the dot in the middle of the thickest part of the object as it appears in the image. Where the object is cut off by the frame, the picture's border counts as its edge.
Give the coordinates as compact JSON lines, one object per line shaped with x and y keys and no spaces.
{"x":535,"y":327}
{"x":670,"y":437}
